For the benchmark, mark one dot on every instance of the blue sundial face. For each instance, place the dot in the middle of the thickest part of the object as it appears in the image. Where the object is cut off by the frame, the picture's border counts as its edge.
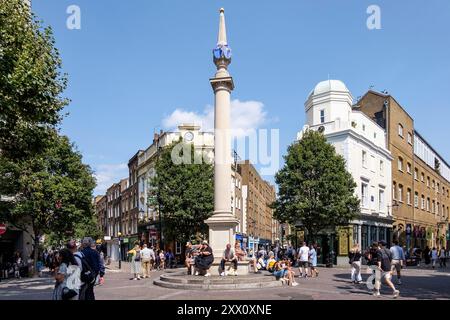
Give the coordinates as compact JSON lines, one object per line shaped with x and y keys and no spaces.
{"x":227,"y":52}
{"x":217,"y":52}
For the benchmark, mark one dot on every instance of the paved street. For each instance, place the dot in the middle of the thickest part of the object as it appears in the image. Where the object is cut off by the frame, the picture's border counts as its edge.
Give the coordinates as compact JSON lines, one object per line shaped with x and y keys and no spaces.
{"x":332,"y":284}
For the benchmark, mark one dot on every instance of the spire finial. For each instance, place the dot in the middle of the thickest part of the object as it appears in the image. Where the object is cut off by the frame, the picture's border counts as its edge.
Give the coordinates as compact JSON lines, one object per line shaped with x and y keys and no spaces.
{"x":222,"y":39}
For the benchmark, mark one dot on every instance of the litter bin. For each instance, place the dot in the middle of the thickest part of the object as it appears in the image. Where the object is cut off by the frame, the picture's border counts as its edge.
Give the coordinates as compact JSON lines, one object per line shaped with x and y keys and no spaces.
{"x":330,"y":260}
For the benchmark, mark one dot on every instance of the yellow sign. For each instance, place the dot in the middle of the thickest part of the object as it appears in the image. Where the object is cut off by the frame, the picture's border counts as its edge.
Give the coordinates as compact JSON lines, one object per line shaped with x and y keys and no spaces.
{"x":344,"y":234}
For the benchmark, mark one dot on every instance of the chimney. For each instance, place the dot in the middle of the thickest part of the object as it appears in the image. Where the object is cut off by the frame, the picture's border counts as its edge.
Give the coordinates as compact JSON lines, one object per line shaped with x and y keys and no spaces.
{"x":155,"y":137}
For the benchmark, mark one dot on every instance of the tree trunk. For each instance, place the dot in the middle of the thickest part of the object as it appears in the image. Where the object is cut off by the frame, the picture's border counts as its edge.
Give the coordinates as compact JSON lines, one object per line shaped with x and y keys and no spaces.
{"x":36,"y":255}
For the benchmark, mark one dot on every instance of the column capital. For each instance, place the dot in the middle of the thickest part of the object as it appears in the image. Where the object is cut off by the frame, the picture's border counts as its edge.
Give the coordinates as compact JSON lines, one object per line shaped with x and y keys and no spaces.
{"x":225,"y":83}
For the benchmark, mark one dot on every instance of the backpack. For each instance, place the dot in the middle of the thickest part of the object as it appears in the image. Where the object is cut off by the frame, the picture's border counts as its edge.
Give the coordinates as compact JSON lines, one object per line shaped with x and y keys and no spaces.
{"x":88,"y":276}
{"x":73,"y":281}
{"x":385,"y":259}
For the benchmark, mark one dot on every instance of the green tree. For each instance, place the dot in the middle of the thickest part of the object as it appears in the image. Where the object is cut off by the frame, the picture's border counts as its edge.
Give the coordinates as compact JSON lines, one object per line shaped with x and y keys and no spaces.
{"x":315,"y":189}
{"x":52,"y":192}
{"x":31,"y":82}
{"x":182,"y":192}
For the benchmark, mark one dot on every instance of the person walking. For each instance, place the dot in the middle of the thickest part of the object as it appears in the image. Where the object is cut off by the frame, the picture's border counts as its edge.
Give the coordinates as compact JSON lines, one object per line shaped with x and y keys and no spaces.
{"x":145,"y":260}
{"x":434,"y":257}
{"x":442,"y":257}
{"x":162,"y":260}
{"x":92,"y":258}
{"x":384,"y":258}
{"x":135,"y":262}
{"x":354,"y":259}
{"x":312,"y":261}
{"x":303,"y":255}
{"x":67,"y":277}
{"x":398,"y":258}
{"x":427,"y":255}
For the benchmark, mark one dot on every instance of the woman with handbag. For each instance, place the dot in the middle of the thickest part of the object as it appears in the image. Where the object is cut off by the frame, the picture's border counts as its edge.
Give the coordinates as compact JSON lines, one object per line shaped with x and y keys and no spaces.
{"x":135,"y":254}
{"x":67,"y":276}
{"x":354,"y":257}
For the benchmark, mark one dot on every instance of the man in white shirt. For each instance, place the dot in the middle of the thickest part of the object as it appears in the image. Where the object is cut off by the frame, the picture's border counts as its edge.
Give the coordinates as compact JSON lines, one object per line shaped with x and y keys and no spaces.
{"x":146,"y":256}
{"x":303,"y":254}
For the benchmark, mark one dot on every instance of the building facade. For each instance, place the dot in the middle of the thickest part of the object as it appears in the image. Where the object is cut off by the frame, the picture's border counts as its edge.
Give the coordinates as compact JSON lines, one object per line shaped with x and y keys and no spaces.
{"x":362,"y":143}
{"x":420,"y":176}
{"x":149,"y":226}
{"x":257,"y":195}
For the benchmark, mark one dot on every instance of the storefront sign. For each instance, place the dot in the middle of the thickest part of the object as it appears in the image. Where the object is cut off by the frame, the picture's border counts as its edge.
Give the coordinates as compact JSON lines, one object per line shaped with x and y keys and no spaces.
{"x":125,"y":240}
{"x":107,"y":238}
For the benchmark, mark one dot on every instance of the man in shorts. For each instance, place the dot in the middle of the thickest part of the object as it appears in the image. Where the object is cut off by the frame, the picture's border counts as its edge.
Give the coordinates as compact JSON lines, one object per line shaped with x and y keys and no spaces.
{"x":303,"y":254}
{"x":384,"y":258}
{"x":398,"y":257}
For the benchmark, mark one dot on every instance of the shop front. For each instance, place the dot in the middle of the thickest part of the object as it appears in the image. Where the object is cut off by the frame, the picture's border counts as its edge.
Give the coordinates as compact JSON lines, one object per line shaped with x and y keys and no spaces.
{"x":253,"y":244}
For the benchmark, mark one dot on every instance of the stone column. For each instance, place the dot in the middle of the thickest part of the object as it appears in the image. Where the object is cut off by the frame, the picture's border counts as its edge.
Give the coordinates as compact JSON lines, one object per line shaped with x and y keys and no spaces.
{"x":222,"y":223}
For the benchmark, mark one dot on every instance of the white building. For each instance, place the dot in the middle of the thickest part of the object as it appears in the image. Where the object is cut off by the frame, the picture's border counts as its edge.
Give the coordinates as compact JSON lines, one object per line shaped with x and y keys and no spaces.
{"x":362,"y":143}
{"x":203,"y":141}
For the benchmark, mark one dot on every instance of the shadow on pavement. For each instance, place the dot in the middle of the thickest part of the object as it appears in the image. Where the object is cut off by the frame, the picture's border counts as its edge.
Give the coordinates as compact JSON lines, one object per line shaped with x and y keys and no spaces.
{"x":429,"y":286}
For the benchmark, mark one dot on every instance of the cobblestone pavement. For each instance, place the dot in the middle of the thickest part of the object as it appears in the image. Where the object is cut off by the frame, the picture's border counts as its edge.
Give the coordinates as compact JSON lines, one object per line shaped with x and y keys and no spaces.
{"x":332,"y":284}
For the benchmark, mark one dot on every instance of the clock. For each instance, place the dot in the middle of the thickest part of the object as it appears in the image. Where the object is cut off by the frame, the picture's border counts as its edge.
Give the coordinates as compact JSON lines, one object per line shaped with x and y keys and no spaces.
{"x":188,"y":136}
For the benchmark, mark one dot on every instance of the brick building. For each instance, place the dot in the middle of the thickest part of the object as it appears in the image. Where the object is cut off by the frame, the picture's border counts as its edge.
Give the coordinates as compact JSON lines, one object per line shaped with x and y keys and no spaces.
{"x":420,"y":176}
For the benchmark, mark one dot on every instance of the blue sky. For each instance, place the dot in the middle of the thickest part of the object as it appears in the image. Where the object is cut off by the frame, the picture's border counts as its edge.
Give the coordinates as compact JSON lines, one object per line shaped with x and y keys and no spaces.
{"x":133,"y":63}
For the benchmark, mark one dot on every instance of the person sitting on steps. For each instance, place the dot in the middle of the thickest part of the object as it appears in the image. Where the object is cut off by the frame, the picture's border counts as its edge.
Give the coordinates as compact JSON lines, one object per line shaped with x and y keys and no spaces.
{"x":204,"y":260}
{"x":228,"y":255}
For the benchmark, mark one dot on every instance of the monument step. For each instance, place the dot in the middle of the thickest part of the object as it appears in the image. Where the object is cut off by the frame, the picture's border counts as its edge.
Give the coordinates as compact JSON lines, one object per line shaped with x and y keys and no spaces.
{"x":185,"y":279}
{"x":225,"y":286}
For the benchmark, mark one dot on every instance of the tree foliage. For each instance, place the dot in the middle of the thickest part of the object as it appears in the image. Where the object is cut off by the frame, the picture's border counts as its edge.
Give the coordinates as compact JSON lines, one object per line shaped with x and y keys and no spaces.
{"x":315,"y":189}
{"x":53,"y":190}
{"x":31,"y":81}
{"x":183,"y":193}
{"x":44,"y":186}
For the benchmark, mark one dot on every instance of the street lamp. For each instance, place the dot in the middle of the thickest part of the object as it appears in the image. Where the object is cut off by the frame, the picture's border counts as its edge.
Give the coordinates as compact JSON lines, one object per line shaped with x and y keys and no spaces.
{"x":119,"y":234}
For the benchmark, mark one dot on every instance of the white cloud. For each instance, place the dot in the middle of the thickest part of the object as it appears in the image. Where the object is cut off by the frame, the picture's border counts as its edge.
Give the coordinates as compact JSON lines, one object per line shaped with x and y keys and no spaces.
{"x":246,"y":116}
{"x":108,"y":174}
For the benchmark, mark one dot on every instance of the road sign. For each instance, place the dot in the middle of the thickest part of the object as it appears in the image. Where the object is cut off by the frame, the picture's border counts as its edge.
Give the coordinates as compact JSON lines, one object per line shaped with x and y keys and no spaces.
{"x":2,"y":228}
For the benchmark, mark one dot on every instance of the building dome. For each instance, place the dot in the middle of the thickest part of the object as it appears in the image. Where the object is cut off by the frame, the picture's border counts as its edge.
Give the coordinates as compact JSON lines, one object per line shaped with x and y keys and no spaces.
{"x":327,"y":86}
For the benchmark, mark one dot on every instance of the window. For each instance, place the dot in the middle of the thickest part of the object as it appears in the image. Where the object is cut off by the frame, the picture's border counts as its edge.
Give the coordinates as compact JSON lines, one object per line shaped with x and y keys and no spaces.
{"x":416,"y":200}
{"x":364,"y":127}
{"x":409,"y":138}
{"x":374,"y":135}
{"x":381,"y":200}
{"x":422,"y":177}
{"x":400,"y":130}
{"x":408,"y":196}
{"x":400,"y":163}
{"x":322,"y":116}
{"x":433,"y":184}
{"x":423,"y":203}
{"x":428,"y":181}
{"x":416,"y":174}
{"x":400,"y":193}
{"x":433,"y":207}
{"x":364,"y":195}
{"x":428,"y":204}
{"x":437,"y":208}
{"x":437,"y":187}
{"x":364,"y":159}
{"x":408,"y":168}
